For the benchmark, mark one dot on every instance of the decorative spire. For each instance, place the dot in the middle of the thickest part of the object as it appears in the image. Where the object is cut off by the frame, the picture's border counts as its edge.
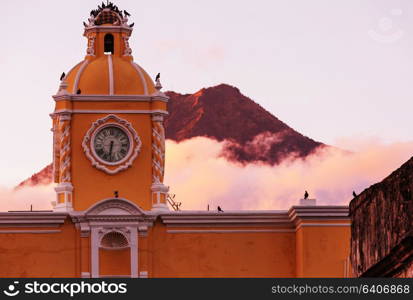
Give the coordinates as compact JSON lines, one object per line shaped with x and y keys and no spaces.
{"x":108,"y":13}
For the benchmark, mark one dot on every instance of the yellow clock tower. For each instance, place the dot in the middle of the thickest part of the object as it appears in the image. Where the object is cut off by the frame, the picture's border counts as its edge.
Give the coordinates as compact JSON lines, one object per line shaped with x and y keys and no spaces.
{"x":109,"y":139}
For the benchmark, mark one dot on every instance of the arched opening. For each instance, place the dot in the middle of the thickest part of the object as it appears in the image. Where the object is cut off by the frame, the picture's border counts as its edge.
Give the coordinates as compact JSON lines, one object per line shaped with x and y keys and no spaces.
{"x":109,"y":44}
{"x":114,"y":240}
{"x":114,"y":255}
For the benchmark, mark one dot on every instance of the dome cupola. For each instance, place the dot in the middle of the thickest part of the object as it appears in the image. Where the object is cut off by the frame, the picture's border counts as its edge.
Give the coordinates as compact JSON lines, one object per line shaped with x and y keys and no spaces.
{"x":108,"y":68}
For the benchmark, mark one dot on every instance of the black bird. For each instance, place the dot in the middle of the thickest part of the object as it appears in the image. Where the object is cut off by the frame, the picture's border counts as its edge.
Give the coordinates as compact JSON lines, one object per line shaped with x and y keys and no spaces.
{"x":220,"y":209}
{"x":62,"y":76}
{"x":78,"y":92}
{"x":158,"y":77}
{"x":116,"y":193}
{"x":84,"y":24}
{"x":354,"y":194}
{"x":126,"y":13}
{"x":103,"y":5}
{"x":131,"y":25}
{"x":306,"y":195}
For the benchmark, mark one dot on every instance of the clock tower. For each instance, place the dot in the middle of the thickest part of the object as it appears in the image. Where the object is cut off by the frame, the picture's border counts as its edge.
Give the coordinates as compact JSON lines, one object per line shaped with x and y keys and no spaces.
{"x":108,"y":133}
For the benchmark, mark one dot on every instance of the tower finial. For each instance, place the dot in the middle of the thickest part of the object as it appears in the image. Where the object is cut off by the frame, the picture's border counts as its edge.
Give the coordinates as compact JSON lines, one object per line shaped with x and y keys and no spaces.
{"x":63,"y":88}
{"x":158,"y":84}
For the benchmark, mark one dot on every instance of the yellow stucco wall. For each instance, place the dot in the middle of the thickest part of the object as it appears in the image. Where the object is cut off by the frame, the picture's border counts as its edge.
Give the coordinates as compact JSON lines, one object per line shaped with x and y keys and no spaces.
{"x":39,"y":254}
{"x":322,"y":251}
{"x":308,"y":252}
{"x":239,"y":254}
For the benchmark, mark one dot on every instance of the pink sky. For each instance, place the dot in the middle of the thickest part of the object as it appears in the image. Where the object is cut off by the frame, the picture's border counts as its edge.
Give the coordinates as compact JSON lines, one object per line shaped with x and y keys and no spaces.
{"x":329,"y":69}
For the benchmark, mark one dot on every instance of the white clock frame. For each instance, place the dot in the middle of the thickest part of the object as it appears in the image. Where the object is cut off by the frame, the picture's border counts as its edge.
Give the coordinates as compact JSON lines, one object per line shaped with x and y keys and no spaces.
{"x":134,"y":148}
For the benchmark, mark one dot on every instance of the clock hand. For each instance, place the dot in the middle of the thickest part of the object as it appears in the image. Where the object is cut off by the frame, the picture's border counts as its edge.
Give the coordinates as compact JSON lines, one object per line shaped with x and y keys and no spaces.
{"x":110,"y":149}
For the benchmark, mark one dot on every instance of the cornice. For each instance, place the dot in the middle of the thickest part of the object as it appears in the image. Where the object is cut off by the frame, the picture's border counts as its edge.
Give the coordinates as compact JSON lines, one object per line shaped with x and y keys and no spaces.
{"x":108,"y":111}
{"x":298,"y":214}
{"x":138,"y":219}
{"x":291,"y":218}
{"x":31,"y":218}
{"x":106,"y":98}
{"x":112,"y":29}
{"x":196,"y":218}
{"x":96,"y":213}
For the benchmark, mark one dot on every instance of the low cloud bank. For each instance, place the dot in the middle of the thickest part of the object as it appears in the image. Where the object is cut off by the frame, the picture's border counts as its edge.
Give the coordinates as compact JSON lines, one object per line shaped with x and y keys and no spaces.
{"x":199,"y":175}
{"x":39,"y":197}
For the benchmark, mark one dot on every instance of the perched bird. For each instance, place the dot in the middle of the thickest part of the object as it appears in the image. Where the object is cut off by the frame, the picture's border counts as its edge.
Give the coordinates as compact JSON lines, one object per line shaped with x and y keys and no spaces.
{"x":103,"y":5}
{"x":126,"y":13}
{"x":62,"y":76}
{"x":354,"y":194}
{"x":220,"y":209}
{"x":131,"y":25}
{"x":78,"y":92}
{"x":84,"y":24}
{"x":306,"y":195}
{"x":158,"y":77}
{"x":116,"y":193}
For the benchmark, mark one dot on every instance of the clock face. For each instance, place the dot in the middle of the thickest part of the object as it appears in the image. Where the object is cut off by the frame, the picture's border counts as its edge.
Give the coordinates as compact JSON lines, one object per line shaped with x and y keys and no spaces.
{"x":111,"y":144}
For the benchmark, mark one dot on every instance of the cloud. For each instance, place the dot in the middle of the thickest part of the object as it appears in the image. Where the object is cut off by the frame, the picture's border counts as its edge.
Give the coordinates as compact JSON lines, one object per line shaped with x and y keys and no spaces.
{"x":199,"y":175}
{"x":20,"y":199}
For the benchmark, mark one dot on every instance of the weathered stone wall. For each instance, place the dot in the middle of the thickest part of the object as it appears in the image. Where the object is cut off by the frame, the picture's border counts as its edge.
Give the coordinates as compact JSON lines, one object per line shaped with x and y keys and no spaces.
{"x":407,"y":272}
{"x":382,"y":228}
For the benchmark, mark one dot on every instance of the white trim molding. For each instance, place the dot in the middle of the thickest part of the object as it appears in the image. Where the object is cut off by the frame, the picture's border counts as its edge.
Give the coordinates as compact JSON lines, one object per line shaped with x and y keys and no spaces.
{"x":142,"y":77}
{"x":251,"y":221}
{"x":29,"y":231}
{"x":111,"y":79}
{"x":300,"y":215}
{"x":135,"y":144}
{"x":32,"y":219}
{"x":110,"y":111}
{"x":111,"y":29}
{"x":230,"y":230}
{"x":78,"y":74}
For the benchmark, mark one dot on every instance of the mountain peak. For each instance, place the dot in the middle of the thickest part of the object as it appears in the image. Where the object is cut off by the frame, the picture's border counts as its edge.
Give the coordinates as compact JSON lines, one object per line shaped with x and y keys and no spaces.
{"x":223,"y":113}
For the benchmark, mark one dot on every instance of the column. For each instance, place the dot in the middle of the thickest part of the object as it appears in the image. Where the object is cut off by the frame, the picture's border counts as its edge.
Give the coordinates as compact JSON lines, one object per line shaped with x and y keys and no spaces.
{"x":65,"y":188}
{"x":159,"y":190}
